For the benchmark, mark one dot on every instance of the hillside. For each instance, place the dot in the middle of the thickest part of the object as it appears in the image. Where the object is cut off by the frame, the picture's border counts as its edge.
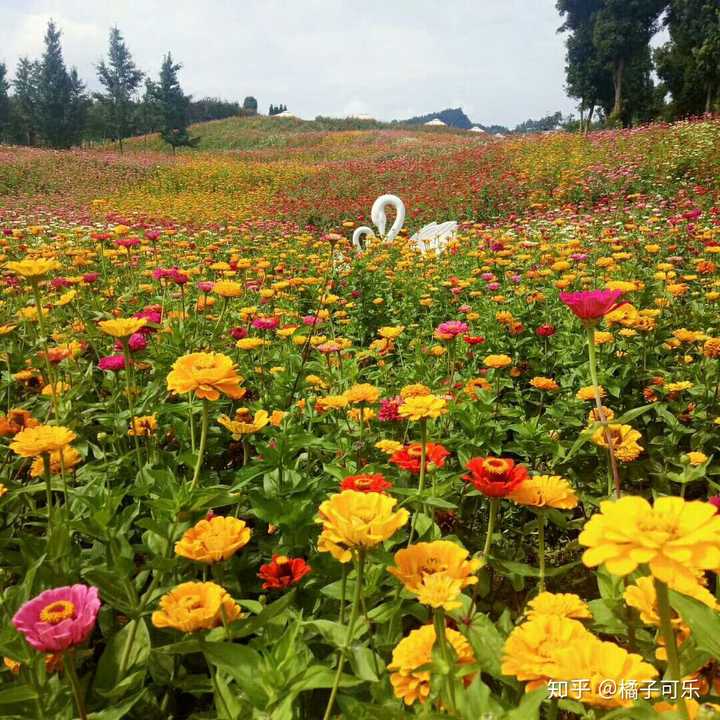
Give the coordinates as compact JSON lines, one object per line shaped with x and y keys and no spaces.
{"x":262,"y":132}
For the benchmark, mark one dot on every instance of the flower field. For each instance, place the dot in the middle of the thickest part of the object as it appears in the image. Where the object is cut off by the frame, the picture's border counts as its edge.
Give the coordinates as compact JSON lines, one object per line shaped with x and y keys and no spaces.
{"x":249,"y":473}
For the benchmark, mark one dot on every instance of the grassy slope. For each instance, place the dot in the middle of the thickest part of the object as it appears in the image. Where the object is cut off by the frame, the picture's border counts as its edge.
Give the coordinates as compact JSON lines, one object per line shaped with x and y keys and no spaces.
{"x":261,"y":132}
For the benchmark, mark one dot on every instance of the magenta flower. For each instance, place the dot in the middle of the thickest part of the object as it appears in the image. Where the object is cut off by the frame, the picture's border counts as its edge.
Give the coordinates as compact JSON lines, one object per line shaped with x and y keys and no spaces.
{"x":112,"y":363}
{"x":60,"y":618}
{"x":238,"y":333}
{"x":715,"y":502}
{"x":451,"y":329}
{"x":265,"y":323}
{"x":205,"y":286}
{"x":90,"y":277}
{"x":591,"y":304}
{"x":389,"y":408}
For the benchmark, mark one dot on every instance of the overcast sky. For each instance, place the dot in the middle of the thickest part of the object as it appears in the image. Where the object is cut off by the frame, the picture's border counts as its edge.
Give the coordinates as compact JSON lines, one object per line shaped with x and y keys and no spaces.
{"x":502,"y":61}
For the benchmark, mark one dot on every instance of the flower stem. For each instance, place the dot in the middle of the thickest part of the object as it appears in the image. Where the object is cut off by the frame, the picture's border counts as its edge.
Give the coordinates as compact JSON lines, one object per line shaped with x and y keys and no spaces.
{"x":203,"y":443}
{"x":48,"y":490}
{"x":357,"y":595}
{"x":663,"y":604}
{"x":439,"y":621}
{"x":541,"y":548}
{"x":74,"y":681}
{"x":592,"y":357}
{"x":131,"y":402}
{"x":421,"y":480}
{"x":492,"y":516}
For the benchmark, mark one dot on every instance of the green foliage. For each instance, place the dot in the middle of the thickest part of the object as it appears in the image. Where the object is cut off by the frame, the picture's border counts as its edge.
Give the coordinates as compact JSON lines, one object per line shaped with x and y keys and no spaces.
{"x":121,"y":79}
{"x":173,"y":106}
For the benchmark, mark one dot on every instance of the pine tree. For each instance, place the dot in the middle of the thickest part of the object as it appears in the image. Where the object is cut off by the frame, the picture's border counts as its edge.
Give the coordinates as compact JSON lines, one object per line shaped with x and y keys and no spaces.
{"x":4,"y":102}
{"x":53,"y":94}
{"x":77,"y":109}
{"x":120,"y":78}
{"x":25,"y":100}
{"x":149,"y":113}
{"x":174,"y":105}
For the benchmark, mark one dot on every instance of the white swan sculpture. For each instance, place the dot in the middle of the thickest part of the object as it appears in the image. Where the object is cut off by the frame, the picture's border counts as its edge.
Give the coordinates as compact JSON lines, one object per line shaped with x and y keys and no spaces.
{"x":432,"y":237}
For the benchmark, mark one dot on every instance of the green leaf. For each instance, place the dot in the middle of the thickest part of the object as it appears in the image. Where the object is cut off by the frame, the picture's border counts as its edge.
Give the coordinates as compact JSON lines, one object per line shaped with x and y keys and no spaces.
{"x":251,"y":626}
{"x":703,"y":621}
{"x":487,"y":643}
{"x":118,"y":712}
{"x":529,"y":707}
{"x":17,"y":694}
{"x":363,"y":662}
{"x":133,"y":643}
{"x":244,"y":664}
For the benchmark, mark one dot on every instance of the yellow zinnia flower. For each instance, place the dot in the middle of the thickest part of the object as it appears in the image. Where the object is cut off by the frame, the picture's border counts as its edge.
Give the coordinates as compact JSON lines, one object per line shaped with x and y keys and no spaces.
{"x":416,"y":390}
{"x":545,"y":491}
{"x":241,"y":426}
{"x":194,"y":606}
{"x":34,"y":441}
{"x":530,"y":651}
{"x":423,"y":407}
{"x":363,"y":393}
{"x":122,"y":327}
{"x":677,"y":538}
{"x":498,"y":362}
{"x":544,"y":383}
{"x":210,"y":541}
{"x":624,"y":441}
{"x":228,"y":288}
{"x":143,"y":426}
{"x":588,"y":393}
{"x":32,"y":268}
{"x":353,"y":520}
{"x":563,"y":605}
{"x":390,"y":333}
{"x":413,"y":652}
{"x":70,"y":458}
{"x":435,"y":571}
{"x":597,"y":662}
{"x":392,"y":446}
{"x":208,"y":375}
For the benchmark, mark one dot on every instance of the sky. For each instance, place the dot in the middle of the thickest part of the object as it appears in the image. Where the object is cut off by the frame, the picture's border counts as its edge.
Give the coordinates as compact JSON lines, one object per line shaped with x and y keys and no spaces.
{"x":502,"y":61}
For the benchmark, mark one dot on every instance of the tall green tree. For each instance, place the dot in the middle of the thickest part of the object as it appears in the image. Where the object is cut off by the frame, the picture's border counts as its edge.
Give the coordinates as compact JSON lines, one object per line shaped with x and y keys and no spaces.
{"x":121,"y":79}
{"x":587,"y":76}
{"x":622,"y":30}
{"x":689,"y":64}
{"x":174,"y":106}
{"x":4,"y":102}
{"x":53,"y":92}
{"x":25,"y":101}
{"x":149,"y":111}
{"x":77,"y":108}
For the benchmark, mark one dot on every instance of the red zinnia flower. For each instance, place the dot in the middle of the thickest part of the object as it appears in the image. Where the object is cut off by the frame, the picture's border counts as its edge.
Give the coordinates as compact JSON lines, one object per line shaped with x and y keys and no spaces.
{"x":495,"y":477}
{"x":366,"y":482}
{"x":591,"y":304}
{"x":282,"y":572}
{"x":410,"y":456}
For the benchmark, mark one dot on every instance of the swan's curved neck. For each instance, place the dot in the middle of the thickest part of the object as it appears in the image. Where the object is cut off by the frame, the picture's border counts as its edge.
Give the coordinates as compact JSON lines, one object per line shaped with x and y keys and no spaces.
{"x":380,"y":219}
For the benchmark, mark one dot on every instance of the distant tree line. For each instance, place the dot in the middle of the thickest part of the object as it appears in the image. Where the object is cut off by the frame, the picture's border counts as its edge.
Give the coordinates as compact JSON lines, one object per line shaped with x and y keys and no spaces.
{"x":48,"y":105}
{"x":276,"y":109}
{"x":610,"y":64}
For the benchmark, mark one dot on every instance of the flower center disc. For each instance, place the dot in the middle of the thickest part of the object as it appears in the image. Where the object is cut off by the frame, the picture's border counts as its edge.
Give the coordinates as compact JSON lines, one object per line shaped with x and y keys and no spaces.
{"x":57,"y":611}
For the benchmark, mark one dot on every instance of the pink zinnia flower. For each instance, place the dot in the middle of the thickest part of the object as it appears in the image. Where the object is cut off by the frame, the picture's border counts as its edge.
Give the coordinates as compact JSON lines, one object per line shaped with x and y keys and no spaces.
{"x":591,"y":304}
{"x":715,"y":502}
{"x":90,"y":277}
{"x":389,"y":409}
{"x":265,"y":323}
{"x":450,"y":329}
{"x":238,"y":333}
{"x":112,"y":363}
{"x":205,"y":286}
{"x":60,"y":618}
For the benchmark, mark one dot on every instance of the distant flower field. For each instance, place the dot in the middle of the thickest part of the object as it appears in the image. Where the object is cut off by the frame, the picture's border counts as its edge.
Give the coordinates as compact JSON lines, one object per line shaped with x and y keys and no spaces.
{"x":247,"y":472}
